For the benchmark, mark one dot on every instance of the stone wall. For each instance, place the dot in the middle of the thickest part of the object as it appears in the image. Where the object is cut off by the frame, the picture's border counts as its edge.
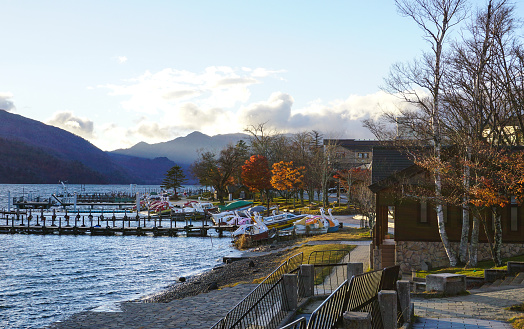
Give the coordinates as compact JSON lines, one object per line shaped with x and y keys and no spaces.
{"x":417,"y":254}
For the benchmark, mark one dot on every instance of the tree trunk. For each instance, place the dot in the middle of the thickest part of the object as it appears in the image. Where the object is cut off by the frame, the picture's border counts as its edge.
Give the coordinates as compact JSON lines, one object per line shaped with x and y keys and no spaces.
{"x":463,"y":247}
{"x":497,"y":246}
{"x":474,"y":245}
{"x":441,"y":225}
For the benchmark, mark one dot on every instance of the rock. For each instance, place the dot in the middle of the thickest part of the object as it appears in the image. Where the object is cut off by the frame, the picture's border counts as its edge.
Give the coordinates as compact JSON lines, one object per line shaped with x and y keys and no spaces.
{"x":212,"y":286}
{"x":251,"y":263}
{"x":182,"y":279}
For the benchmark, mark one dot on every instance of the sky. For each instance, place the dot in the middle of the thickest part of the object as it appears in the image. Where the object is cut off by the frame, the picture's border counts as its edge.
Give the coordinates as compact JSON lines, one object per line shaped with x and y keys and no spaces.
{"x":120,"y":72}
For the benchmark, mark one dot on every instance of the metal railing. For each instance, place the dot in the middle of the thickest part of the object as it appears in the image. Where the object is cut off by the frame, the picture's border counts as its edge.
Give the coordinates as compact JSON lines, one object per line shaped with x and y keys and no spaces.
{"x":266,"y":299}
{"x":297,"y":324}
{"x":358,"y":294}
{"x":363,"y":296}
{"x":330,"y":311}
{"x":330,"y":270}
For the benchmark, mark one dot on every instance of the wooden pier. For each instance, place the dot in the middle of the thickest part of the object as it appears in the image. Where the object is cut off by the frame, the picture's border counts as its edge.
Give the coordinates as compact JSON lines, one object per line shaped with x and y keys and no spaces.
{"x":175,"y":225}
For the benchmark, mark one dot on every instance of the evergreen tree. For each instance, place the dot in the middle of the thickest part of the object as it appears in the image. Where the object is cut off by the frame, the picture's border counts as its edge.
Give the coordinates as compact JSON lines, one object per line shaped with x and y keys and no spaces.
{"x":174,"y":179}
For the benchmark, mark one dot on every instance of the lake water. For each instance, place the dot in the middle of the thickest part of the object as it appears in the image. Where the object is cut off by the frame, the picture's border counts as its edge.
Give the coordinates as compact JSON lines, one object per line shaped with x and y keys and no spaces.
{"x":44,"y":279}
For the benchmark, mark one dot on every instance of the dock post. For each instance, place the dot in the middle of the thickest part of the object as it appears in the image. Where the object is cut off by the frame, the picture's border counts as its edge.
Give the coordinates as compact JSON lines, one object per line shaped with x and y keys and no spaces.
{"x":37,"y":221}
{"x":137,"y":220}
{"x":22,"y":224}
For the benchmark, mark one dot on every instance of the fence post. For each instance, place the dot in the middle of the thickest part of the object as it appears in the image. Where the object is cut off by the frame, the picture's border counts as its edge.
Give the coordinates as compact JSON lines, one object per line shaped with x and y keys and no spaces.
{"x":354,"y":269}
{"x":404,"y":297}
{"x":357,"y":320}
{"x":290,"y":282}
{"x":307,"y":279}
{"x":387,"y":300}
{"x":377,"y":259}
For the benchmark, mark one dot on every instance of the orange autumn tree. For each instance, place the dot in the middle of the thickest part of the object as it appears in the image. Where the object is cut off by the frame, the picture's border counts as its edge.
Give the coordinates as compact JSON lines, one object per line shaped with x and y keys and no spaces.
{"x":257,"y":176}
{"x":287,"y":178}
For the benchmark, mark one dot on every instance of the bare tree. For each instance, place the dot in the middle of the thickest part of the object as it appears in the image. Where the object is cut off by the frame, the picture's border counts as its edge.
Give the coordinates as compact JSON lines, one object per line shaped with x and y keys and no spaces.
{"x":420,"y":84}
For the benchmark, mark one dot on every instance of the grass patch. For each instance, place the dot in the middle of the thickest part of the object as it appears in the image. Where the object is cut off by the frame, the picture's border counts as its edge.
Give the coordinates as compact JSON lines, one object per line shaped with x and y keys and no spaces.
{"x":437,"y":294}
{"x":343,"y":234}
{"x":473,"y":272}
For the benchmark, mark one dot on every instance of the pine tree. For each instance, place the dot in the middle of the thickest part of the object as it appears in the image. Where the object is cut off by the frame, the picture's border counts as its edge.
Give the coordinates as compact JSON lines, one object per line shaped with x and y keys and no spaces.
{"x":174,"y":179}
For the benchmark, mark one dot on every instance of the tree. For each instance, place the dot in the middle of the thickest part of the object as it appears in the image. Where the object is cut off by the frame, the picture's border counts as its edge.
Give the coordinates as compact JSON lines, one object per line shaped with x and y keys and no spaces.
{"x":286,"y":177}
{"x":219,"y":172}
{"x":174,"y":179}
{"x":257,"y":176}
{"x":420,"y":84}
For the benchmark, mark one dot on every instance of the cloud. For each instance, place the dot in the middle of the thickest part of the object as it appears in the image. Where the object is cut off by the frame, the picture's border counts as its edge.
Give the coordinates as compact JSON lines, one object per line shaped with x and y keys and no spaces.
{"x":276,"y":111}
{"x":167,"y":90}
{"x":342,"y":118}
{"x":121,"y":59}
{"x":6,"y":103}
{"x":79,"y":126}
{"x":152,"y":131}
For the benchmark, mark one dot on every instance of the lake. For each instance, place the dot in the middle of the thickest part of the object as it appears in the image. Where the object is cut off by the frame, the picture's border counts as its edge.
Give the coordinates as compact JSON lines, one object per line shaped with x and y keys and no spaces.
{"x":47,"y":278}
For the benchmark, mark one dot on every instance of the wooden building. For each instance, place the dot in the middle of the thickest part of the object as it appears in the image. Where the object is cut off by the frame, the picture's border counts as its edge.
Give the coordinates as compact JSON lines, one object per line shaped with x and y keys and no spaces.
{"x":416,"y":243}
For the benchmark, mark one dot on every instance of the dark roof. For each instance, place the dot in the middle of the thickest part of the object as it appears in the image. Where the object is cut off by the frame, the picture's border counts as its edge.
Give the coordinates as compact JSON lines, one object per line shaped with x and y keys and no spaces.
{"x":387,"y":163}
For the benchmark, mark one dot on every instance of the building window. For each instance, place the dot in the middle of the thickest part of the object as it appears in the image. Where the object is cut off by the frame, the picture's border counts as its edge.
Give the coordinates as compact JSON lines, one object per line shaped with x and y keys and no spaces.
{"x":363,"y":155}
{"x":340,"y":155}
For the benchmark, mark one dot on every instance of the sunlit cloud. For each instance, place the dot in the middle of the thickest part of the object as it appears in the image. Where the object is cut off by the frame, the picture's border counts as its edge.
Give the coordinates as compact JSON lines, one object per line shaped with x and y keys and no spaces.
{"x":122,"y":59}
{"x":79,"y":126}
{"x":342,"y":117}
{"x":6,"y":102}
{"x":165,"y":91}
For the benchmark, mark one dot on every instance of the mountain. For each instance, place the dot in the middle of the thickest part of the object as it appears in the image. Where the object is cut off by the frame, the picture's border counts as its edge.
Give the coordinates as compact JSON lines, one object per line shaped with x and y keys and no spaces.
{"x":147,"y":171}
{"x":24,"y":164}
{"x":34,"y":152}
{"x":182,"y":150}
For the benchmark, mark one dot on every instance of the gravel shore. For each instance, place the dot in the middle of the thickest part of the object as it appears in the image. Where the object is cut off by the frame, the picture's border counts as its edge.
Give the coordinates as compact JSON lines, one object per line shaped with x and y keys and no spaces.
{"x":240,"y":271}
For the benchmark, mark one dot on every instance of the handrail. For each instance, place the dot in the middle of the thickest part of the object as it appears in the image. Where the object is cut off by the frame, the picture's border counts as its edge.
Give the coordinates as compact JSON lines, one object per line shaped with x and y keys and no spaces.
{"x":297,"y":324}
{"x":258,"y":293}
{"x":330,"y":311}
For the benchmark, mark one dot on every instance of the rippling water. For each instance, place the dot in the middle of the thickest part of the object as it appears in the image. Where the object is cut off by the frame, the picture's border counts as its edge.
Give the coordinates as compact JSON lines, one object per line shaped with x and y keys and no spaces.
{"x":47,"y":278}
{"x":44,"y":279}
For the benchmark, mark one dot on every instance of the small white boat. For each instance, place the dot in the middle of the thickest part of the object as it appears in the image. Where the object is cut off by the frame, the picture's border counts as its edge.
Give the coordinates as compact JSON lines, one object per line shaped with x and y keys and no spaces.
{"x":333,"y":222}
{"x":311,"y":225}
{"x":255,"y":231}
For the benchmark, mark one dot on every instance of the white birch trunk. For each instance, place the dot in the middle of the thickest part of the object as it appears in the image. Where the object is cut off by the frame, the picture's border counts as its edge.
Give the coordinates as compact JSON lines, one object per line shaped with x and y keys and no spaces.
{"x":473,"y":247}
{"x":463,"y":248}
{"x":497,"y":246}
{"x":441,"y":224}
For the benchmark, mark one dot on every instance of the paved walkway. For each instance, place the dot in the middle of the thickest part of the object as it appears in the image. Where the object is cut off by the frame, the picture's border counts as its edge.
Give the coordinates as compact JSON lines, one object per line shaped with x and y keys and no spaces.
{"x":480,"y":309}
{"x":201,"y":312}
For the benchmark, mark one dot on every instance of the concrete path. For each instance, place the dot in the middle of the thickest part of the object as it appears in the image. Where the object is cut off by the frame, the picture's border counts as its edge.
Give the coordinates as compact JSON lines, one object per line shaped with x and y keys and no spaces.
{"x":201,"y":311}
{"x":480,"y":309}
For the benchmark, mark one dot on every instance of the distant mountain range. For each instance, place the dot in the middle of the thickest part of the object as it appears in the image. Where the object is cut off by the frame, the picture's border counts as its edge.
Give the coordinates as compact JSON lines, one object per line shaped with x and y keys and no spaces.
{"x":33,"y":152}
{"x":182,"y":150}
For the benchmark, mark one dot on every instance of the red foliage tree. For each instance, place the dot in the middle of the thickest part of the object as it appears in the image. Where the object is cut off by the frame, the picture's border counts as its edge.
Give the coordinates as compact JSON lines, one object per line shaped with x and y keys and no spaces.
{"x":256,"y":175}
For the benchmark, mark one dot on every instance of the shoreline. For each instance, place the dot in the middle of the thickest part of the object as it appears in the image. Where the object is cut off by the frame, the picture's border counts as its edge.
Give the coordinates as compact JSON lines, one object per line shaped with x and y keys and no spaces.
{"x":256,"y":265}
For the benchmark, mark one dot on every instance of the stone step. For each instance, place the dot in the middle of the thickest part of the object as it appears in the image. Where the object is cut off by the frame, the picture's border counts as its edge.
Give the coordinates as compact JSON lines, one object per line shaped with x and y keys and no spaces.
{"x":485,"y":286}
{"x":496,"y":283}
{"x":507,"y":281}
{"x":519,"y":279}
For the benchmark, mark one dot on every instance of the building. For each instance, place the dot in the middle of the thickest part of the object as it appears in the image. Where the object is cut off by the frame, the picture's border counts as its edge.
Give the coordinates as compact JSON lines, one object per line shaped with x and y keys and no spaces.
{"x":416,"y":243}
